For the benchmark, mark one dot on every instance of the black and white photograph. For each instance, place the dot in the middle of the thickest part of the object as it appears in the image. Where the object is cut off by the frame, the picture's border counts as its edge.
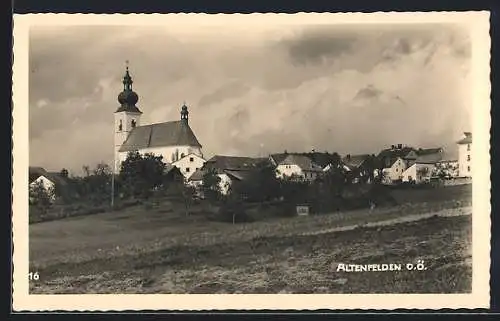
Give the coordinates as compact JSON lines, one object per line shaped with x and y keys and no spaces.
{"x":266,"y":154}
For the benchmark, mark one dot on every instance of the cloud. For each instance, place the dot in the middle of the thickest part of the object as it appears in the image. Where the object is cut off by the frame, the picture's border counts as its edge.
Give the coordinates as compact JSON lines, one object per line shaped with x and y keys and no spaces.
{"x":345,"y":89}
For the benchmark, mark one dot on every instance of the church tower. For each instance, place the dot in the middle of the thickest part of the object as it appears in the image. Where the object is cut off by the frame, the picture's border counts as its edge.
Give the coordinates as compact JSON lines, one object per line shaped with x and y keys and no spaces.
{"x":127,"y":116}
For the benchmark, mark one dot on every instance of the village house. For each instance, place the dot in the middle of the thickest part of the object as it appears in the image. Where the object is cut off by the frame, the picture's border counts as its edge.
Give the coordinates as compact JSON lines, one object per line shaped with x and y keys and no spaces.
{"x":464,"y":155}
{"x":48,"y":180}
{"x":229,"y":169}
{"x":300,"y":167}
{"x":394,"y":161}
{"x":358,"y":167}
{"x":174,"y":140}
{"x":422,"y":168}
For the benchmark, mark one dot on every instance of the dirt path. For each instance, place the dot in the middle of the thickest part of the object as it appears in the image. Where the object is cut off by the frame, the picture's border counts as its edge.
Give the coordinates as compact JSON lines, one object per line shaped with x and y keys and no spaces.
{"x":404,"y":219}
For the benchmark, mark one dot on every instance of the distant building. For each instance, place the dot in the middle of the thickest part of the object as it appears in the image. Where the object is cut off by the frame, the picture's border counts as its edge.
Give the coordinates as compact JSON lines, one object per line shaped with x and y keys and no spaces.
{"x":394,"y":161}
{"x":174,"y":140}
{"x":299,"y":167}
{"x":229,"y":169}
{"x":464,"y":155}
{"x":358,"y":166}
{"x":48,"y":180}
{"x":422,"y":168}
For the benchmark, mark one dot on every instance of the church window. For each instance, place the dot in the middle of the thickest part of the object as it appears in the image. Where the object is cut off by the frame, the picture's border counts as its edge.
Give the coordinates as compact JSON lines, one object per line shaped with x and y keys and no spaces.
{"x":468,"y":168}
{"x":468,"y":147}
{"x":187,"y":169}
{"x":133,"y":123}
{"x":468,"y":157}
{"x":191,"y":159}
{"x":120,"y":126}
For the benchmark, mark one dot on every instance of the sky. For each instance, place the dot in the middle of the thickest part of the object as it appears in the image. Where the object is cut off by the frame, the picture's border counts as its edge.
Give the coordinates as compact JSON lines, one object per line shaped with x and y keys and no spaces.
{"x":251,"y":91}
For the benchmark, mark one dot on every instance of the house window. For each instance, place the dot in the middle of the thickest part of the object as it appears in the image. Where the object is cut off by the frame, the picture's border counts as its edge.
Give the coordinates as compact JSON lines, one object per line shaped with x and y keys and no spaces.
{"x":468,"y":158}
{"x":468,"y":168}
{"x":191,"y":159}
{"x":187,"y":169}
{"x":468,"y":147}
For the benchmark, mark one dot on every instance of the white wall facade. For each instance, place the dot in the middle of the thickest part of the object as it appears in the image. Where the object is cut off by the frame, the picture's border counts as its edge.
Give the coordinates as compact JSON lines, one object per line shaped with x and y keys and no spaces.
{"x":465,"y":160}
{"x":171,"y":154}
{"x":395,"y":172}
{"x":189,"y":164}
{"x":413,"y":173}
{"x":283,"y":171}
{"x":125,"y":119}
{"x":46,"y":183}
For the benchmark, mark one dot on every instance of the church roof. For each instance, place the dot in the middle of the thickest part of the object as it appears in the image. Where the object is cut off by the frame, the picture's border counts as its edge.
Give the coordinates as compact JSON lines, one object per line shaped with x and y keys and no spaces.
{"x":173,"y":133}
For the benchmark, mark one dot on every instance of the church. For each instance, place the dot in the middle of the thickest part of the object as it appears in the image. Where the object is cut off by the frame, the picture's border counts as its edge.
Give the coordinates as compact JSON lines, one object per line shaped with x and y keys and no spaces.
{"x":174,"y":140}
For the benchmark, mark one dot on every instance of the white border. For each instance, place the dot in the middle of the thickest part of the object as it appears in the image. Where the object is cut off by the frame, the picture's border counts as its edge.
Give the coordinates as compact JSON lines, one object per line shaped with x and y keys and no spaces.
{"x":476,"y":22}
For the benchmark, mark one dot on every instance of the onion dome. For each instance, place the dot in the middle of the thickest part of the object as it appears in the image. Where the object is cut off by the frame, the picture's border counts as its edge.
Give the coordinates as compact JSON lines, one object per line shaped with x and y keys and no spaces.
{"x":128,"y":98}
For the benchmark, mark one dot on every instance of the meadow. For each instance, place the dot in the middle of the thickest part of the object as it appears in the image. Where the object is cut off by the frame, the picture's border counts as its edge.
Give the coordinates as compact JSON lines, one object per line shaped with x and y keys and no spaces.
{"x":161,"y":250}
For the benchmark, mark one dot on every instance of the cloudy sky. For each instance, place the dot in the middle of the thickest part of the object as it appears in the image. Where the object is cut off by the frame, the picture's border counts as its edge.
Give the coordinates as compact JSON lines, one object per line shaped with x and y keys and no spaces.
{"x":251,"y":90}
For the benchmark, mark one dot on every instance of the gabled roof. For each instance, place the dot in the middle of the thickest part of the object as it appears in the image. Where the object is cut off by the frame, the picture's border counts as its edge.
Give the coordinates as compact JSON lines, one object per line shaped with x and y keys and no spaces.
{"x":174,"y":133}
{"x":239,"y":175}
{"x":36,"y":172}
{"x":234,"y":162}
{"x":278,"y":158}
{"x":304,"y":162}
{"x":197,"y":175}
{"x":186,"y":156}
{"x":390,"y":155}
{"x":355,"y":161}
{"x":467,"y":139}
{"x":429,"y":155}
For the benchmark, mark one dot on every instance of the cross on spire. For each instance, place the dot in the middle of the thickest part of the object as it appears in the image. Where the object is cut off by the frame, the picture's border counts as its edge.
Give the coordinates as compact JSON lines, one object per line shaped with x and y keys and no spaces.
{"x":126,"y":64}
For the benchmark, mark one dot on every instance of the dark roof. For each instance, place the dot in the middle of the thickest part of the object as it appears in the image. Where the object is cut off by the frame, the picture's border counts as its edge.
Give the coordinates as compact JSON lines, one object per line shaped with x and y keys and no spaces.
{"x":429,"y":151}
{"x":320,"y":159}
{"x":278,"y":158}
{"x":238,"y":174}
{"x":467,"y":139}
{"x":35,"y":172}
{"x":233,"y":162}
{"x":197,"y":175}
{"x":304,"y":162}
{"x":429,"y":155}
{"x":355,"y":161}
{"x":159,"y":135}
{"x":390,"y":155}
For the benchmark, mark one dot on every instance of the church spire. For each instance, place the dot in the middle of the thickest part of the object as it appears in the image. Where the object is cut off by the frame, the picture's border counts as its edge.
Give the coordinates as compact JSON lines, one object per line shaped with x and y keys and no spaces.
{"x":128,"y":98}
{"x":184,"y":114}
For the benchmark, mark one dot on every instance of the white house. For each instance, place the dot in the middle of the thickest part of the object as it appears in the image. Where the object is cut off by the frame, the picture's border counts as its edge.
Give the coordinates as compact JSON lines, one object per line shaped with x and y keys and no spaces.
{"x":173,"y":140}
{"x":464,"y":155}
{"x":48,"y":180}
{"x":424,"y":166}
{"x":395,"y":161}
{"x":189,"y":164}
{"x":298,"y":166}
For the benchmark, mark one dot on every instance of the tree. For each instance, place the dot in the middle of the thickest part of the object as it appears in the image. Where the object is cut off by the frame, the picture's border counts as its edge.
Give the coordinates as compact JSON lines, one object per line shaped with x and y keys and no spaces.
{"x":40,"y":196}
{"x":141,"y":174}
{"x":260,"y":186}
{"x":64,"y":173}
{"x":185,"y":193}
{"x":211,"y":185}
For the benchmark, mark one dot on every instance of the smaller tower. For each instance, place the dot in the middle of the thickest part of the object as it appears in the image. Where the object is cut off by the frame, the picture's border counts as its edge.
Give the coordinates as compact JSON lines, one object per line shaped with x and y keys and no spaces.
{"x":184,"y":114}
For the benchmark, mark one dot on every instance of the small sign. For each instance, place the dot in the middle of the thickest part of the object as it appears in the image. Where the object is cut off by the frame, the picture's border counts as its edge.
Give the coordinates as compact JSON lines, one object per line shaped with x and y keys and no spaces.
{"x":302,"y":210}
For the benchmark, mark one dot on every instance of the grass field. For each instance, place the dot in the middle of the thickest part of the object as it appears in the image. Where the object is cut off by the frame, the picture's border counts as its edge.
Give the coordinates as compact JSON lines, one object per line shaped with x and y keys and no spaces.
{"x":162,"y":251}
